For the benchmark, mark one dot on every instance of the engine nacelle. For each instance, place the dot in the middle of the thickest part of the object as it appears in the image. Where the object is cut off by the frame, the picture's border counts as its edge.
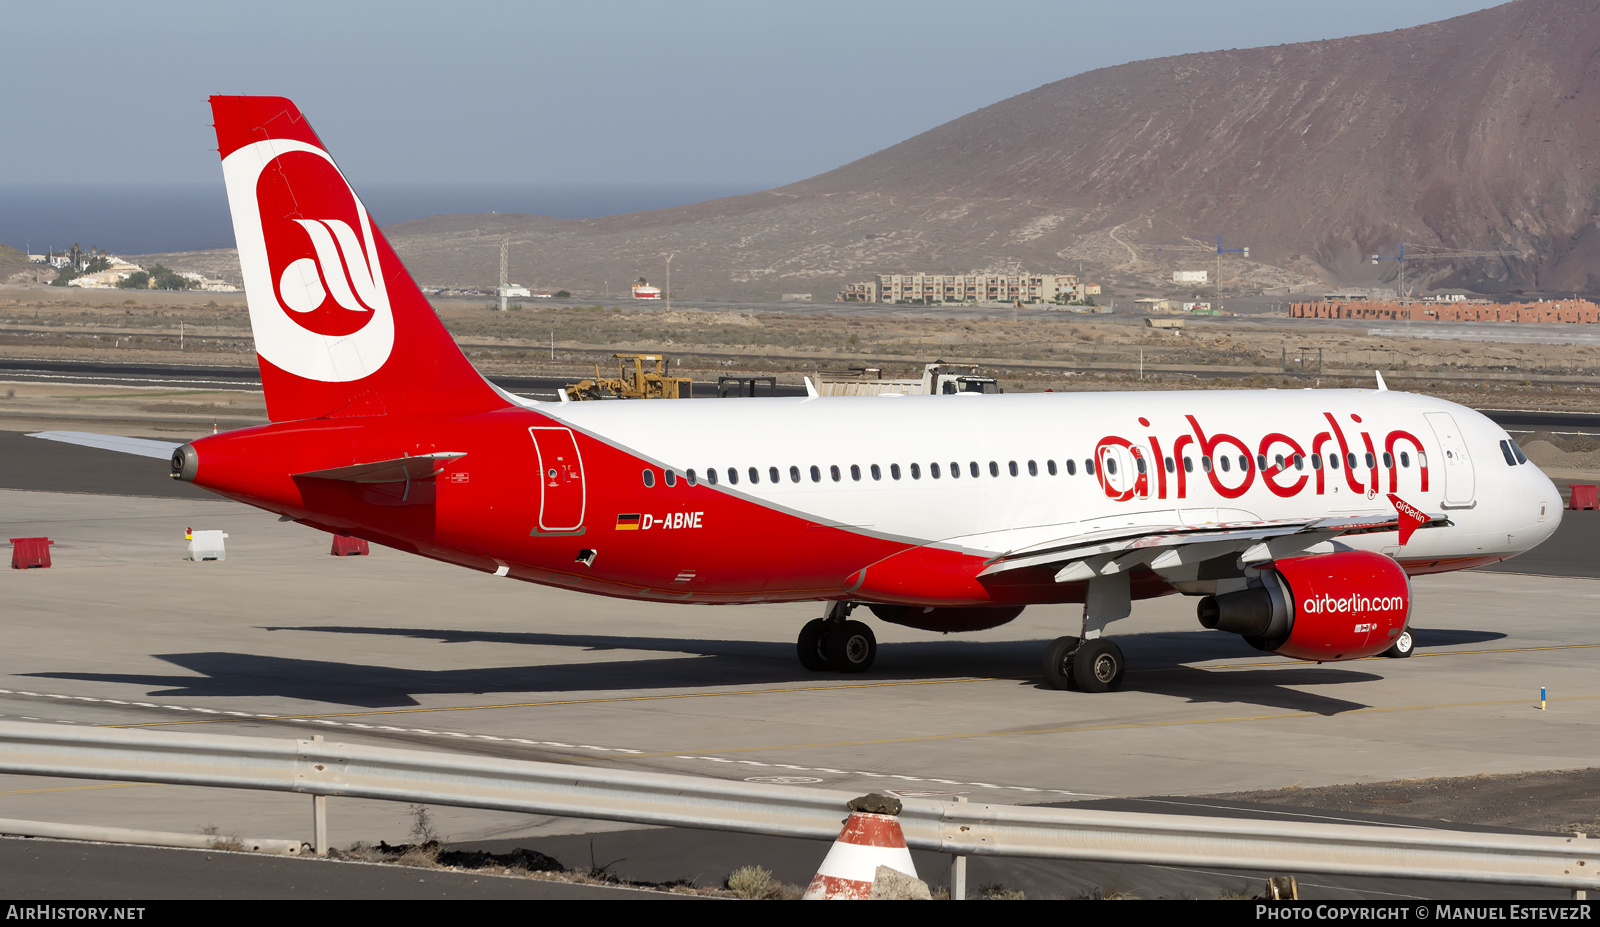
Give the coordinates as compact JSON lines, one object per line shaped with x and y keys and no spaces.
{"x":946,"y":618}
{"x":1325,"y":607}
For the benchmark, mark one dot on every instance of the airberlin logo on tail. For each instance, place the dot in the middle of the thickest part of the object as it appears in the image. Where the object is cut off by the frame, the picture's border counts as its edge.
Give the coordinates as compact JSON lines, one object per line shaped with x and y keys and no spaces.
{"x":343,"y":265}
{"x":318,"y":305}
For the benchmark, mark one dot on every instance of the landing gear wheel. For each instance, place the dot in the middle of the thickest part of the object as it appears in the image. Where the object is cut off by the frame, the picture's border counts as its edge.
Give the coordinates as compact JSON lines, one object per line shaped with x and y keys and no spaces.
{"x":1097,"y":666}
{"x":1058,"y":662}
{"x":813,"y":637}
{"x":851,"y":647}
{"x":1403,"y":646}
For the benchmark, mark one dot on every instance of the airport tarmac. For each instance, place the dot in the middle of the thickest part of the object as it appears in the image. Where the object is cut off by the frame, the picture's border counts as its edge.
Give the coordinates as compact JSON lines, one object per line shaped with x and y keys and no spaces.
{"x":282,"y":639}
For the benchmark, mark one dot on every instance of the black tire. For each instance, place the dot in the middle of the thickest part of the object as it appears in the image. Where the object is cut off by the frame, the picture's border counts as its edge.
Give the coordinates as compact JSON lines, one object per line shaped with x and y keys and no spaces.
{"x":851,"y":647}
{"x":813,"y":638}
{"x":1098,"y":666}
{"x":1403,"y":646}
{"x":1058,"y":662}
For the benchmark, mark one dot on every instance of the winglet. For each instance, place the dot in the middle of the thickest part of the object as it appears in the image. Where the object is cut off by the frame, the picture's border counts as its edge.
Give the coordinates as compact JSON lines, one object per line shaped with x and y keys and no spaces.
{"x":811,"y":389}
{"x":1382,"y":386}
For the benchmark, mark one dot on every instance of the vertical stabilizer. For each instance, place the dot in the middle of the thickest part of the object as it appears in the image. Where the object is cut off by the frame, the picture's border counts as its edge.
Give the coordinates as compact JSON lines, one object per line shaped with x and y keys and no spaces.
{"x":340,"y":327}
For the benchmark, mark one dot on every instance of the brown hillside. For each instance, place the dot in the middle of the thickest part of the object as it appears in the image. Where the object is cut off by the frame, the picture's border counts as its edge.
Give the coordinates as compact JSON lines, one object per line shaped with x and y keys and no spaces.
{"x":1479,"y":132}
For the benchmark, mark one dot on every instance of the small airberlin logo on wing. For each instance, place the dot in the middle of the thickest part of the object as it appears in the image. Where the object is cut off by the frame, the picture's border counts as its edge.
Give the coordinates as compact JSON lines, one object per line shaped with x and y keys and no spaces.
{"x":318,"y":304}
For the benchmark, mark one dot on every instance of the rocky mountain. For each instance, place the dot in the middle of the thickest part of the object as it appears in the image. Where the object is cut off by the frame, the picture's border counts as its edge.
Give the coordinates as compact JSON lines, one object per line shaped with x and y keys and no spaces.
{"x":1479,"y":133}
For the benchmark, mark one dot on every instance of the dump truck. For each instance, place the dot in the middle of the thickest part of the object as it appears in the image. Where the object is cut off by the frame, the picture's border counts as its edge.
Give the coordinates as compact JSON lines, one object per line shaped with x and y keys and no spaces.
{"x":638,"y":383}
{"x":938,"y":378}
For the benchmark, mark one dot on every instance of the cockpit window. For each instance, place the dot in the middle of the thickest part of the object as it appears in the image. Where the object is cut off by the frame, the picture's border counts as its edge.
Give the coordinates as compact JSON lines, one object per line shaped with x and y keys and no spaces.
{"x":1517,"y":449}
{"x":1505,"y":451}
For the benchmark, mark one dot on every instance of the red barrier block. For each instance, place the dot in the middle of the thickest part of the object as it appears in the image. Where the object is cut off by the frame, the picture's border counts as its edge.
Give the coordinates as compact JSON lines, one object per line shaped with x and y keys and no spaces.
{"x":349,"y":547}
{"x":1584,"y":496}
{"x":30,"y":553}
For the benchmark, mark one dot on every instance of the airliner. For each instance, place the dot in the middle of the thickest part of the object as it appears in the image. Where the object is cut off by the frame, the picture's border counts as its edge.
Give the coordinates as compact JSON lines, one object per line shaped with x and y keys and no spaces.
{"x":1295,"y":517}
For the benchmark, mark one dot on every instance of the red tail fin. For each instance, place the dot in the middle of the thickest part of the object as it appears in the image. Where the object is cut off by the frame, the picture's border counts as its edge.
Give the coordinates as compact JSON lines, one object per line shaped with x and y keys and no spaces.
{"x":340,"y":327}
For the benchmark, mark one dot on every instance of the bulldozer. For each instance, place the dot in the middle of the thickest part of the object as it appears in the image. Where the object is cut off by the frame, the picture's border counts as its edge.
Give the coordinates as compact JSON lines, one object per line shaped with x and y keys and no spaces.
{"x":638,"y":383}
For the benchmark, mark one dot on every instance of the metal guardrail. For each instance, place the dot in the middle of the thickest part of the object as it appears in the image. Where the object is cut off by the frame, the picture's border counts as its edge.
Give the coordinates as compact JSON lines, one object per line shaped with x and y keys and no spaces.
{"x":322,"y":768}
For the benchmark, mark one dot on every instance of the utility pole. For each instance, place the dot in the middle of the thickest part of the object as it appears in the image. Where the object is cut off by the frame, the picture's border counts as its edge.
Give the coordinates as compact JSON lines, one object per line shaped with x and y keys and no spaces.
{"x":504,"y":276}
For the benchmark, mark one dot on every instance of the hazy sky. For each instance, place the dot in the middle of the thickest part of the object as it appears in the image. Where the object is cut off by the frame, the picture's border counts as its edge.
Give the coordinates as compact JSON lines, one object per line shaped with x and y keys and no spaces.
{"x":600,"y":91}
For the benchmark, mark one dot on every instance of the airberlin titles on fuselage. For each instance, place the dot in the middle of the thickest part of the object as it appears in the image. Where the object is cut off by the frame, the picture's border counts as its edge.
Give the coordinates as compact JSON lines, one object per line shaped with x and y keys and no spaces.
{"x":1280,"y":460}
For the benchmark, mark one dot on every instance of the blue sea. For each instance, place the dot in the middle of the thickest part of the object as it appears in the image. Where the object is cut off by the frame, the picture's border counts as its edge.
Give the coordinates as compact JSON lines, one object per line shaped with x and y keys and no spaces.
{"x":154,"y":218}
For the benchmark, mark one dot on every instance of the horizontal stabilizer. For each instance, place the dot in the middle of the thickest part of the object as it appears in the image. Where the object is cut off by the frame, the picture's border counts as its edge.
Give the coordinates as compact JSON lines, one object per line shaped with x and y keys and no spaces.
{"x":398,"y":470}
{"x":144,"y":447}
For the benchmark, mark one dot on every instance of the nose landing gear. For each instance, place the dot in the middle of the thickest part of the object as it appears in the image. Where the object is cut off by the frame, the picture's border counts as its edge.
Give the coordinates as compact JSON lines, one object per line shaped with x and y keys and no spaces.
{"x":834,"y":642}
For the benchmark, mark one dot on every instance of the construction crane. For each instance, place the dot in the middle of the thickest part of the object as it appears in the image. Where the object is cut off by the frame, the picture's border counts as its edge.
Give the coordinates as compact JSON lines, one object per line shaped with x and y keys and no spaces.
{"x":642,"y":384}
{"x":1424,"y":252}
{"x":1191,"y":244}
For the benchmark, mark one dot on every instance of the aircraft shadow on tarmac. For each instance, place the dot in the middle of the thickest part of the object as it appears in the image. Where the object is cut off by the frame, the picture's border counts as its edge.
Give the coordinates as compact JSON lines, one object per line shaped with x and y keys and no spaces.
{"x":1157,"y":664}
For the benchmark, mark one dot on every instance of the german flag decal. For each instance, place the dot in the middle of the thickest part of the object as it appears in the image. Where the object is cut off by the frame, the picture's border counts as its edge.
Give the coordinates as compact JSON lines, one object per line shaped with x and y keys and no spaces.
{"x":628,"y":522}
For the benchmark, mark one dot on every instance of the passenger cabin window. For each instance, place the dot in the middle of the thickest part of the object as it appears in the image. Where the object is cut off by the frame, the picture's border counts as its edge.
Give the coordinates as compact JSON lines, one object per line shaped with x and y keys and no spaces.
{"x":1188,"y":464}
{"x":1012,"y":466}
{"x":772,"y":475}
{"x":1225,"y":464}
{"x":1205,"y":462}
{"x":933,"y":470}
{"x":1316,"y":461}
{"x":894,"y":471}
{"x":955,"y":470}
{"x":1033,"y":468}
{"x":1139,"y":464}
{"x":916,"y":471}
{"x":1088,"y":466}
{"x":755,"y":476}
{"x":1350,"y":459}
{"x":1111,"y":465}
{"x":1050,"y":467}
{"x":1244,"y":462}
{"x":833,"y":471}
{"x":1170,"y":467}
{"x":1405,"y":459}
{"x":1333,"y":461}
{"x":1388,"y":461}
{"x":1371,"y":462}
{"x":876,"y":473}
{"x":711,"y":476}
{"x":855,"y":472}
{"x":794,"y":474}
{"x":994,"y":468}
{"x":1072,"y":467}
{"x":972,"y":467}
{"x":1299,"y":462}
{"x":669,"y":477}
{"x":689,"y":475}
{"x":733,"y":476}
{"x":816,"y":474}
{"x":649,"y":478}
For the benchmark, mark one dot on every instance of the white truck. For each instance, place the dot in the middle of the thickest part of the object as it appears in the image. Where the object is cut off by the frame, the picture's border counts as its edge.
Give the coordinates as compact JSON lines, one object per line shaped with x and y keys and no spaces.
{"x":938,"y":378}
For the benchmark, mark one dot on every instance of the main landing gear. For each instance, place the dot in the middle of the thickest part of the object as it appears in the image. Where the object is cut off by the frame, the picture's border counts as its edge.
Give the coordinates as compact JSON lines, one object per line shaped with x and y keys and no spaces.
{"x":834,"y":642}
{"x":1090,"y":662}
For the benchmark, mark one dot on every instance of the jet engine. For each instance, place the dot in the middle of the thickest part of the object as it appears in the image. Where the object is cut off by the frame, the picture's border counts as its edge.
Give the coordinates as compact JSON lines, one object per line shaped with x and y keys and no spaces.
{"x":1324,"y":607}
{"x":946,"y":619}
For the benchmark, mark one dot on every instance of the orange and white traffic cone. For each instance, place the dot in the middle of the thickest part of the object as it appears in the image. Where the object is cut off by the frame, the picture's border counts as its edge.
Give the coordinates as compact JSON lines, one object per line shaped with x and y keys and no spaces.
{"x":867,"y":842}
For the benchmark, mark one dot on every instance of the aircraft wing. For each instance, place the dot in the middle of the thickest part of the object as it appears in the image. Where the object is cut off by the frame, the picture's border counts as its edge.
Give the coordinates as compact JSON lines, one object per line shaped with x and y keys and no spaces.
{"x":143,"y":447}
{"x":1111,"y":552}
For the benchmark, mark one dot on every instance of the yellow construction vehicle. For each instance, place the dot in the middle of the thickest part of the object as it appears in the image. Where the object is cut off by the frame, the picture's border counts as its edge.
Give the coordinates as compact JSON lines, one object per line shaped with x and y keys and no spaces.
{"x":638,"y":383}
